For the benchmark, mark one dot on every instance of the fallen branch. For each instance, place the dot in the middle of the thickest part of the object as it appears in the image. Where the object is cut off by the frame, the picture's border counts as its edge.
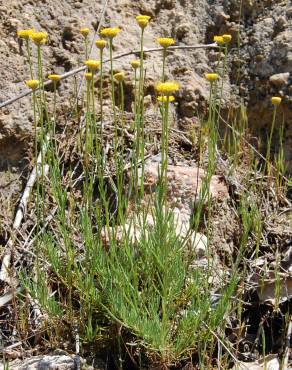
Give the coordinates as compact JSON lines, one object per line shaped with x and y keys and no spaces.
{"x":119,"y":56}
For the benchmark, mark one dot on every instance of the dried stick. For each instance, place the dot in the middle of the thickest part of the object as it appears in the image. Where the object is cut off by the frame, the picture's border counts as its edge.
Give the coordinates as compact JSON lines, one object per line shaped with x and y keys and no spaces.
{"x":119,"y":56}
{"x":21,"y":210}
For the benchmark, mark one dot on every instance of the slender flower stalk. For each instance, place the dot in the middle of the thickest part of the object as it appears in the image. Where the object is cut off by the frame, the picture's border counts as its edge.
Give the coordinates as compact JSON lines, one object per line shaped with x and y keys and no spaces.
{"x":276,"y":101}
{"x":142,"y":21}
{"x":110,"y":33}
{"x":33,"y":85}
{"x":212,"y":78}
{"x":93,"y":65}
{"x":85,"y":32}
{"x":88,"y":141}
{"x":226,"y":39}
{"x":25,"y":35}
{"x":100,"y":44}
{"x":40,"y":38}
{"x":165,"y":89}
{"x":135,"y":65}
{"x":165,"y":42}
{"x":55,"y":78}
{"x":119,"y":77}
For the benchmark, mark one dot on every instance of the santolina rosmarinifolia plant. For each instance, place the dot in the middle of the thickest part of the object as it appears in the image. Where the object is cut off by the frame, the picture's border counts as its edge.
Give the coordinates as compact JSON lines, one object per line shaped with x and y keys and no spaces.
{"x":143,"y":288}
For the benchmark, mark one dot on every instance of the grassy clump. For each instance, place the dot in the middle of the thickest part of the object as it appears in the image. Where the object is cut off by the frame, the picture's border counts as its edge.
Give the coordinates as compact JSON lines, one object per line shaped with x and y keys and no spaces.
{"x":100,"y":267}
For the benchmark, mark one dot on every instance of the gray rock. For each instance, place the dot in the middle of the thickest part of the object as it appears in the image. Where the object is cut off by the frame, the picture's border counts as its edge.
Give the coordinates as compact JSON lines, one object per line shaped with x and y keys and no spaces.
{"x":280,"y":79}
{"x":43,"y":363}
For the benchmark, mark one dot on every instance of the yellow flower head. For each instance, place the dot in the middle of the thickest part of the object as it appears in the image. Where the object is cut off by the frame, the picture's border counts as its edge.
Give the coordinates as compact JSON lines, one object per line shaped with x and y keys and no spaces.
{"x":100,"y":44}
{"x":219,"y":40}
{"x":211,"y":77}
{"x":25,"y":34}
{"x":84,"y":32}
{"x":164,"y":99}
{"x":143,"y":20}
{"x":120,"y":76}
{"x":165,"y":42}
{"x":54,"y":77}
{"x":227,"y":38}
{"x":110,"y":32}
{"x":39,"y":37}
{"x":276,"y":100}
{"x":92,"y":64}
{"x":167,"y":88}
{"x":135,"y":63}
{"x":32,"y":84}
{"x":88,"y":76}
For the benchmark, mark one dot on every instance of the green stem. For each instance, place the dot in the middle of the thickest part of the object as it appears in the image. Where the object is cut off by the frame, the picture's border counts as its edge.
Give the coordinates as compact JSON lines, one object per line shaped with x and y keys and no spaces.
{"x":55,"y":107}
{"x":112,"y":79}
{"x":29,"y":58}
{"x":95,"y":141}
{"x":120,"y":177}
{"x":113,"y":102}
{"x":268,"y":155}
{"x":222,"y":82}
{"x":86,"y":48}
{"x":36,"y":180}
{"x":101,"y":96}
{"x":135,"y":93}
{"x":42,"y":131}
{"x":140,"y":118}
{"x":163,"y":64}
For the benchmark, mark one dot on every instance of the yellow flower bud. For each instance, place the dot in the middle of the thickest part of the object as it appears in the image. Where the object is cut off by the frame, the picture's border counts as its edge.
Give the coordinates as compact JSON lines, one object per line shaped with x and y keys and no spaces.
{"x":84,"y":31}
{"x":39,"y":37}
{"x":135,"y":63}
{"x":276,"y":100}
{"x":143,"y":20}
{"x":167,"y":88}
{"x":32,"y":84}
{"x":54,"y":77}
{"x":100,"y":44}
{"x":164,"y":99}
{"x":227,"y":38}
{"x":219,"y":40}
{"x":88,"y":76}
{"x":25,"y":34}
{"x":165,"y":42}
{"x":110,"y":32}
{"x":92,"y":64}
{"x":120,"y":76}
{"x":211,"y":77}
